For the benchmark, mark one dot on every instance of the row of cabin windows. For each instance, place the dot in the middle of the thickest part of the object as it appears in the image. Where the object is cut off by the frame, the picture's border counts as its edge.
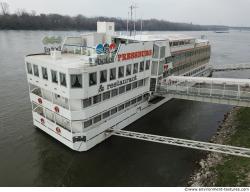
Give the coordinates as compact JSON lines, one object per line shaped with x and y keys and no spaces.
{"x":75,"y":80}
{"x":114,"y":92}
{"x":114,"y":110}
{"x":121,"y":72}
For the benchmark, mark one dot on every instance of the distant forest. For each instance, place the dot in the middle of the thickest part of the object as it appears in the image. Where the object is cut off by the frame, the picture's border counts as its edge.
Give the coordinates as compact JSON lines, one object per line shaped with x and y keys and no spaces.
{"x":22,"y":20}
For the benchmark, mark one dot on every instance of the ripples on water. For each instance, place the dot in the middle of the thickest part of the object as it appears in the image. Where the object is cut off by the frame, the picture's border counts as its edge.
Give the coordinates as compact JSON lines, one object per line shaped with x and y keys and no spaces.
{"x":29,"y":157}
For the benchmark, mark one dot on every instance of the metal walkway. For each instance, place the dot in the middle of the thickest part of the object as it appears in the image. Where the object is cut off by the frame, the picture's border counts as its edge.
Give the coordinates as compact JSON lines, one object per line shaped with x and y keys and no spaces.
{"x":214,"y":90}
{"x":205,"y":146}
{"x":231,"y":67}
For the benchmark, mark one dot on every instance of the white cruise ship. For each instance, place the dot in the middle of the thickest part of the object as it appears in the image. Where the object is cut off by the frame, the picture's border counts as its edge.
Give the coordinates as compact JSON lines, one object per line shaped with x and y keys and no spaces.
{"x":102,"y":80}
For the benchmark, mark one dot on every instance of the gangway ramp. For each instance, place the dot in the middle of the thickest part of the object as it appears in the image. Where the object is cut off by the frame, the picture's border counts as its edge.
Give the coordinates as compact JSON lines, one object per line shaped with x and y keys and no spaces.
{"x":205,"y":146}
{"x":231,"y":67}
{"x":214,"y":90}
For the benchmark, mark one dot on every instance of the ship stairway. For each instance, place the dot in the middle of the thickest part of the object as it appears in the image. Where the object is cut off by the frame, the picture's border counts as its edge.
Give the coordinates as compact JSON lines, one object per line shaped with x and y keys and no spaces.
{"x":205,"y":146}
{"x":231,"y":67}
{"x":227,"y":91}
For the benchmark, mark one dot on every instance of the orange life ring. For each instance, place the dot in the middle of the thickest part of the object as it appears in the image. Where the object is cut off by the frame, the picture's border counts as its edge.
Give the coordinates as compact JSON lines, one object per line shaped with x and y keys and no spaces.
{"x":56,"y":109}
{"x":40,"y":101}
{"x":58,"y":130}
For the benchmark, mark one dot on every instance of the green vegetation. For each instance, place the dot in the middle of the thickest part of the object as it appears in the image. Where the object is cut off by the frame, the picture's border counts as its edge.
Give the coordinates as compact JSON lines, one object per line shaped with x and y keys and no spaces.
{"x":235,"y":171}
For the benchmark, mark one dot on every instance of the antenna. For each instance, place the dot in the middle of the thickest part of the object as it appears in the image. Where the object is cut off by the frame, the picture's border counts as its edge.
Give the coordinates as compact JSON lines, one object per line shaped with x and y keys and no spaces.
{"x":127,"y":22}
{"x":132,"y":7}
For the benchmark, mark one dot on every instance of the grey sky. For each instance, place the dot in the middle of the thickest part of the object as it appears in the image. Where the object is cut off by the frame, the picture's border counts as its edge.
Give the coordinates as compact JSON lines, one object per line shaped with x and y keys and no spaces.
{"x":221,"y":12}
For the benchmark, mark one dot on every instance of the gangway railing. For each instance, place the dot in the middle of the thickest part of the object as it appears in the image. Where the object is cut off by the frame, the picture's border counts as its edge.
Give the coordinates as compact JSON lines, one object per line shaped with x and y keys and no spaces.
{"x":214,"y":90}
{"x":205,"y":146}
{"x":231,"y":67}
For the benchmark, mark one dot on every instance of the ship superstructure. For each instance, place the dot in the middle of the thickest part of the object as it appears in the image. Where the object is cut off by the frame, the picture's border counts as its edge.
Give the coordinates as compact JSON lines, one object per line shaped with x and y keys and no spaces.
{"x":102,"y":80}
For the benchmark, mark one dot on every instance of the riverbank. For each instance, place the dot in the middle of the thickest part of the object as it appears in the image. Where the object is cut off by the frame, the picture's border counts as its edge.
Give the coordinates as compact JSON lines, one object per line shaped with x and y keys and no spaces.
{"x":226,"y":170}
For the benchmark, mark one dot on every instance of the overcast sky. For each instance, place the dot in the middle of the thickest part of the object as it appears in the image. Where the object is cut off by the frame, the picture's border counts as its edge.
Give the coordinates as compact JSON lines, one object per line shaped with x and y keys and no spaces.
{"x":220,"y":12}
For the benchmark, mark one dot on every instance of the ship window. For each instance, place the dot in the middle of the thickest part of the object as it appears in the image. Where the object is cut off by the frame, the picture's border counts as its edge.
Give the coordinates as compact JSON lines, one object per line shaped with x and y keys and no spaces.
{"x":114,"y":92}
{"x":54,"y":76}
{"x":97,"y":99}
{"x":133,"y":101}
{"x":156,"y":51}
{"x":45,"y":73}
{"x":87,"y":123}
{"x":36,"y":71}
{"x":121,"y":89}
{"x":76,"y":81}
{"x":134,"y":85}
{"x":141,"y":66}
{"x":106,"y":95}
{"x":112,"y":74}
{"x":154,"y":67}
{"x":128,"y":70}
{"x":163,"y":52}
{"x":128,"y":87}
{"x":113,"y":111}
{"x":147,"y":64}
{"x":139,"y":98}
{"x":121,"y":107}
{"x":106,"y":114}
{"x":97,"y":118}
{"x":121,"y":72}
{"x":103,"y":76}
{"x":127,"y":104}
{"x":161,"y":68}
{"x":145,"y":96}
{"x":135,"y":70}
{"x":29,"y":68}
{"x":140,"y":83}
{"x":63,"y":79}
{"x":92,"y":79}
{"x":86,"y":102}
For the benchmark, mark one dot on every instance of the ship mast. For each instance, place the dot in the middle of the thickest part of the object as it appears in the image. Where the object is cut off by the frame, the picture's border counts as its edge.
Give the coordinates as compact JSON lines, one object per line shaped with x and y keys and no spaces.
{"x":132,"y":8}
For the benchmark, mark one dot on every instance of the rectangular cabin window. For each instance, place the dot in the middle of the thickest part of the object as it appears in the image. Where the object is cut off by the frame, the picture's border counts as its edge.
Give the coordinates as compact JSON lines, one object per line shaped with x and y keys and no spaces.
{"x":113,"y":111}
{"x":147,"y":65}
{"x":106,"y":95}
{"x":112,"y":74}
{"x":128,"y":70}
{"x":29,"y":68}
{"x":103,"y":76}
{"x":135,"y":70}
{"x":63,"y":79}
{"x":44,"y":73}
{"x":156,"y":51}
{"x":92,"y":79}
{"x":106,"y":114}
{"x":139,"y":98}
{"x":114,"y":92}
{"x":88,"y":123}
{"x":122,"y":89}
{"x":128,"y":87}
{"x":76,"y":81}
{"x":121,"y":107}
{"x":134,"y":85}
{"x":97,"y":118}
{"x":127,"y":104}
{"x":154,"y":67}
{"x":86,"y":102}
{"x":163,"y":52}
{"x":142,"y":66}
{"x":97,"y":99}
{"x":140,"y":83}
{"x":133,"y":101}
{"x":161,"y":67}
{"x":36,"y":71}
{"x":54,"y":76}
{"x":121,"y":72}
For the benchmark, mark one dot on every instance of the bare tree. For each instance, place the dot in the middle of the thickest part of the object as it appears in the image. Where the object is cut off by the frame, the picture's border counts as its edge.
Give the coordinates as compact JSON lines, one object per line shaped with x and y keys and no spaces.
{"x":4,"y":8}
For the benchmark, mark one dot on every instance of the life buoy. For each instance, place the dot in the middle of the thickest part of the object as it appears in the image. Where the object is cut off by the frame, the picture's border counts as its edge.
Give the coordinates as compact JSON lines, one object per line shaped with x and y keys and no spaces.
{"x":58,"y":130}
{"x":42,"y":120}
{"x":40,"y":101}
{"x":56,"y":109}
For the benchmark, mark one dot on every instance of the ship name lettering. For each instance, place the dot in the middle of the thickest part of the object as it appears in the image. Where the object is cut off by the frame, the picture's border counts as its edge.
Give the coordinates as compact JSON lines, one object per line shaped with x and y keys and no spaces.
{"x":134,"y":55}
{"x":122,"y":82}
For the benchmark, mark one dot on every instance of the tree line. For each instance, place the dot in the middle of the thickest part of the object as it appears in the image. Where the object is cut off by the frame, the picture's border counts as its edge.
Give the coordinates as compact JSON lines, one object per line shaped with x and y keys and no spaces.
{"x":22,"y":20}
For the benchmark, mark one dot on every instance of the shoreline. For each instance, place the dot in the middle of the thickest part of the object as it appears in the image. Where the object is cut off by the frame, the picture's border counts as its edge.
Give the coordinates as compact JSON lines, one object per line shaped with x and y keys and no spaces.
{"x":206,"y":174}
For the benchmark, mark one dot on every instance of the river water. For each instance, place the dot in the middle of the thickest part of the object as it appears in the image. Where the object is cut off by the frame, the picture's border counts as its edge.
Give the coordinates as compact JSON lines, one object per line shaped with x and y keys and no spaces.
{"x":29,"y":157}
